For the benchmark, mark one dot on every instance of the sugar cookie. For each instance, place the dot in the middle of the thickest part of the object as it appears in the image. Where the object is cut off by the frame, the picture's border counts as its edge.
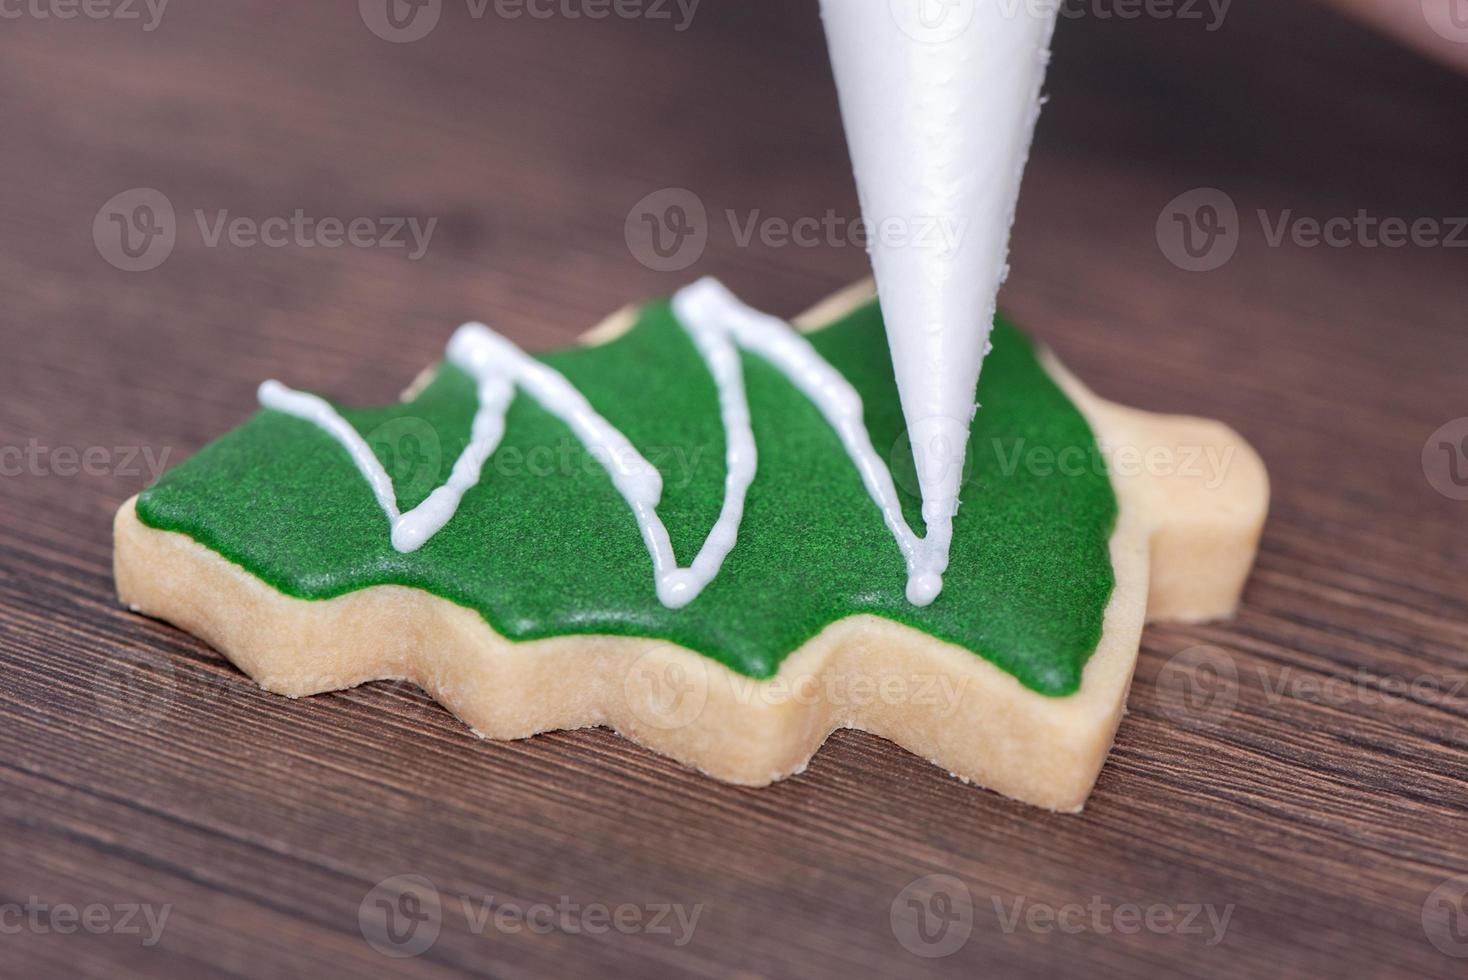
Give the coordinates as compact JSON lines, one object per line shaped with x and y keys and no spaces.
{"x":698,"y":529}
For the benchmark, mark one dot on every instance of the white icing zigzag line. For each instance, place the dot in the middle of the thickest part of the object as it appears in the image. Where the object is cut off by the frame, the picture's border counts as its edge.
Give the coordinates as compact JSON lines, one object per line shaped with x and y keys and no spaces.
{"x":716,"y":322}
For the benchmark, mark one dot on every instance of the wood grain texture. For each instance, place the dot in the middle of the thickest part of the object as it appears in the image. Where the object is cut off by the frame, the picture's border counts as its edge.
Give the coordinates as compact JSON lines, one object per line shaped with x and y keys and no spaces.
{"x":137,"y":767}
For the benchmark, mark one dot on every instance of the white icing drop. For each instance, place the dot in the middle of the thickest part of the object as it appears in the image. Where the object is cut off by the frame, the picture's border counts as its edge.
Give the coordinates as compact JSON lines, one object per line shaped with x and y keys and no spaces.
{"x":719,"y":325}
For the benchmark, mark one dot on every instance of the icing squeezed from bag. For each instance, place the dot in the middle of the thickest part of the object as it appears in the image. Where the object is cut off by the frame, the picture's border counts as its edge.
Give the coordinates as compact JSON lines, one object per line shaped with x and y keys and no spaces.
{"x":719,"y":325}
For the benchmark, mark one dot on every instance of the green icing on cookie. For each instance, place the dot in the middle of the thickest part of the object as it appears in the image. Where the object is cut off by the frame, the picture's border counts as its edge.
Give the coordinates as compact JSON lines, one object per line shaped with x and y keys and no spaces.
{"x":545,"y":546}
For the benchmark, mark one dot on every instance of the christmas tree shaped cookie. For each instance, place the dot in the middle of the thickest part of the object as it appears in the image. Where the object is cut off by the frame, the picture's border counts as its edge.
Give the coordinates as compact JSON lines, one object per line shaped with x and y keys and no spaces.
{"x":701,"y":528}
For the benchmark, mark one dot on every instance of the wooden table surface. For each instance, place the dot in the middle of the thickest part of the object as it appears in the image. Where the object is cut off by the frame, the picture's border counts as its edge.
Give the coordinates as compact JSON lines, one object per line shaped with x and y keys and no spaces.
{"x":1319,"y":800}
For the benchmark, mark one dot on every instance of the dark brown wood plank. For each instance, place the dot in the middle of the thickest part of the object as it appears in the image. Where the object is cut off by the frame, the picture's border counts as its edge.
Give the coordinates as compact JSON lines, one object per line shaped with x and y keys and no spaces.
{"x":138,"y":767}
